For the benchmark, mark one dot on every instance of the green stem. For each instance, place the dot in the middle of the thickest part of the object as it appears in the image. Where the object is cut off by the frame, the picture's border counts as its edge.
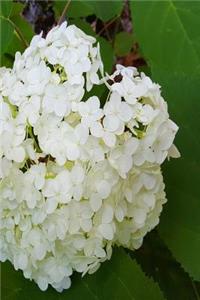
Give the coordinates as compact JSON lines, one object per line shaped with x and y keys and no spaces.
{"x":64,"y":12}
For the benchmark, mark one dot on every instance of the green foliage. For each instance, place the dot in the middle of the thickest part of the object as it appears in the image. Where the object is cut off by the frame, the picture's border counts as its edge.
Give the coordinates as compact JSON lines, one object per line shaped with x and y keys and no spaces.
{"x":107,"y":54}
{"x":123,"y":43}
{"x":173,"y":280}
{"x":24,"y":27}
{"x":106,"y":10}
{"x":6,"y":8}
{"x":120,"y":278}
{"x":76,"y":9}
{"x":170,"y":42}
{"x":5,"y":26}
{"x":15,"y":32}
{"x":6,"y":34}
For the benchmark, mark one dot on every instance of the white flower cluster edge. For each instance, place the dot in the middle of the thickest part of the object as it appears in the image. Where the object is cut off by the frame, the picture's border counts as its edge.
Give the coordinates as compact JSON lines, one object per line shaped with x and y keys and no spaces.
{"x":77,"y":176}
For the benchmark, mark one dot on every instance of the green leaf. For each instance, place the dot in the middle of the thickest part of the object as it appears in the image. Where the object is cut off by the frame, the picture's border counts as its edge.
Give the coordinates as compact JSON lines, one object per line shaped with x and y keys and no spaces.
{"x":107,"y":54}
{"x":6,"y":8}
{"x":11,"y":42}
{"x":24,"y":27}
{"x":120,"y":278}
{"x":106,"y":10}
{"x":171,"y":44}
{"x":123,"y":43}
{"x":157,"y":261}
{"x":17,"y":8}
{"x":76,"y":9}
{"x":7,"y":32}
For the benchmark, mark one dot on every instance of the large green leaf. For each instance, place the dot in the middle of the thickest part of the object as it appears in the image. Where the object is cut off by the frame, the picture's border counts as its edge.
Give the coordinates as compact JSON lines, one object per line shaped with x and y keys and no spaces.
{"x":106,"y":10}
{"x":75,"y":9}
{"x":168,"y":33}
{"x":107,"y":54}
{"x":12,"y":23}
{"x":103,"y":9}
{"x":121,"y":278}
{"x":123,"y":43}
{"x":24,"y":27}
{"x":7,"y":33}
{"x":157,"y":261}
{"x":6,"y":8}
{"x":6,"y":28}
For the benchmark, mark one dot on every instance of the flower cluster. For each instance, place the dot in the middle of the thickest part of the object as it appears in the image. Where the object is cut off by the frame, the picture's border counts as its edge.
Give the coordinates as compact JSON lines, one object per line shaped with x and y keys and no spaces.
{"x":76,"y":176}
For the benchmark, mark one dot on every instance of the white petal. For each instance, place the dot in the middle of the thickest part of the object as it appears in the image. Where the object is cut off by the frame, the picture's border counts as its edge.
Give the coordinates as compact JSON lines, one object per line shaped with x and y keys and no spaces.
{"x":125,"y":112}
{"x":86,"y":225}
{"x":77,"y":174}
{"x":39,"y":252}
{"x":18,"y":154}
{"x":107,"y":231}
{"x":138,"y":158}
{"x":139,"y":215}
{"x":131,"y":99}
{"x":103,"y":188}
{"x":83,"y":109}
{"x":93,"y":103}
{"x":42,"y":283}
{"x":39,"y":182}
{"x":81,"y":133}
{"x":149,"y":181}
{"x":107,"y":216}
{"x":125,"y":163}
{"x":74,"y":226}
{"x":72,"y":152}
{"x":77,"y":193}
{"x":131,"y":146}
{"x":99,"y":252}
{"x":50,"y":205}
{"x":61,"y":108}
{"x":96,"y":129}
{"x":109,"y":139}
{"x":149,"y":199}
{"x":111,"y":123}
{"x":22,"y":261}
{"x":95,"y":202}
{"x":173,"y":152}
{"x":119,"y":214}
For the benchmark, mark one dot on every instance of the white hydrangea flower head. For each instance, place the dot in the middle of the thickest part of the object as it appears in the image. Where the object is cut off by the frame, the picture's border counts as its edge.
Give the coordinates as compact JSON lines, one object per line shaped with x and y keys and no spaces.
{"x":77,"y":177}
